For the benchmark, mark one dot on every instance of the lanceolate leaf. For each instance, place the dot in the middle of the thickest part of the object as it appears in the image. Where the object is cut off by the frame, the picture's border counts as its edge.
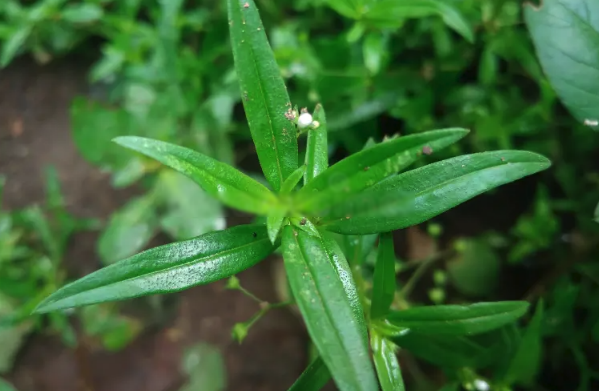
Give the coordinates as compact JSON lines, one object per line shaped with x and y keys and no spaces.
{"x":264,"y":94}
{"x":327,"y":312}
{"x":391,"y":13}
{"x":317,"y":153}
{"x":416,"y":196}
{"x":369,"y":166}
{"x":313,"y":378}
{"x":225,"y":183}
{"x":383,"y":283}
{"x":292,"y":180}
{"x":385,"y":361}
{"x":274,"y":221}
{"x":566,"y":37}
{"x":344,"y":272}
{"x":458,"y":319}
{"x":168,"y":268}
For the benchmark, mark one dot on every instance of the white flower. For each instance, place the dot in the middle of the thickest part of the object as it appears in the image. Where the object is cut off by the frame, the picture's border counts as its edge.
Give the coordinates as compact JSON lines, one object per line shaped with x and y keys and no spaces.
{"x":304,"y":120}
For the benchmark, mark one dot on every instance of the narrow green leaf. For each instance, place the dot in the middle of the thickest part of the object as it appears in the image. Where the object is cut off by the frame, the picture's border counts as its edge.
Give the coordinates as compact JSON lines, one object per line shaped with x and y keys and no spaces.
{"x":327,"y":311}
{"x":314,"y":377}
{"x":169,"y":268}
{"x":367,"y":167}
{"x":526,"y":362}
{"x":390,"y":13}
{"x":225,"y":183}
{"x":292,"y":180}
{"x":383,"y":281}
{"x":459,"y":319}
{"x":317,"y":152}
{"x":344,"y":272}
{"x":274,"y":222}
{"x":373,"y":50}
{"x":566,"y":36}
{"x":416,"y":196}
{"x":386,"y":364}
{"x":82,"y":13}
{"x":265,"y":97}
{"x":13,"y":44}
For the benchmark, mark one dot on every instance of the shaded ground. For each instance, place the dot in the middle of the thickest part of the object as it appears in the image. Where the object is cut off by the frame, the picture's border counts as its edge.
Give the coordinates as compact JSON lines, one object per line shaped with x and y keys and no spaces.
{"x":34,"y":133}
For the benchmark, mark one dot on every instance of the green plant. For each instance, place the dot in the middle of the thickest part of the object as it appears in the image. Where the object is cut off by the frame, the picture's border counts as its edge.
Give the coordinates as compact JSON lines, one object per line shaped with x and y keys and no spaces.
{"x":360,"y":195}
{"x":33,"y":242}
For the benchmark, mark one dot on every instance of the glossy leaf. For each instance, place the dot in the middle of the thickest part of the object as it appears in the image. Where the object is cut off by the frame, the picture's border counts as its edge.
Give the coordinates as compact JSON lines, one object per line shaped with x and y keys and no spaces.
{"x":265,"y":97}
{"x":390,"y":13}
{"x":317,"y":152}
{"x":344,"y":272}
{"x":168,"y":268}
{"x":566,"y":36}
{"x":459,"y":319}
{"x":274,"y":222}
{"x":383,"y":281}
{"x":225,"y":183}
{"x":416,"y":196}
{"x":386,"y":364}
{"x":526,"y":363}
{"x":365,"y":168}
{"x":327,"y":312}
{"x":313,"y":378}
{"x":292,"y":180}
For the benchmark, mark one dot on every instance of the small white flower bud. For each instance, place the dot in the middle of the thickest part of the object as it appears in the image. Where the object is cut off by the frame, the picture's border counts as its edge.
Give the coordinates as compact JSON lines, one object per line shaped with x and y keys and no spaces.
{"x":304,"y":120}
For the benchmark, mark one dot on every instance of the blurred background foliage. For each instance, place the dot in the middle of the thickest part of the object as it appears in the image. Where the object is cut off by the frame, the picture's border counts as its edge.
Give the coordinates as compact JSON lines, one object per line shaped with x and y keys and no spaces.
{"x":164,"y":69}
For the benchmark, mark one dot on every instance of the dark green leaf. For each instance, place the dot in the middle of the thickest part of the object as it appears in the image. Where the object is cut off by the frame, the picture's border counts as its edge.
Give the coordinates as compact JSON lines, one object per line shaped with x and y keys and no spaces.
{"x":385,"y":361}
{"x":292,"y":180}
{"x":225,"y":183}
{"x":317,"y":153}
{"x":129,"y":230}
{"x":327,"y":311}
{"x":390,"y":13}
{"x":383,"y":281}
{"x":416,"y":196}
{"x":168,"y":268}
{"x":566,"y":37}
{"x":313,"y":378}
{"x":459,"y":319}
{"x":526,"y":363}
{"x":447,"y":351}
{"x":367,"y":167}
{"x":265,"y":97}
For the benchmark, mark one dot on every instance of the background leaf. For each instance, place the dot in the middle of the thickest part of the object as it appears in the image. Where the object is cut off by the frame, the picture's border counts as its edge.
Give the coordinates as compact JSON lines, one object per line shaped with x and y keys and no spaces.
{"x":566,"y":37}
{"x":205,"y":367}
{"x":169,"y":268}
{"x":327,"y":312}
{"x":416,"y":196}
{"x":265,"y":97}
{"x":383,"y":281}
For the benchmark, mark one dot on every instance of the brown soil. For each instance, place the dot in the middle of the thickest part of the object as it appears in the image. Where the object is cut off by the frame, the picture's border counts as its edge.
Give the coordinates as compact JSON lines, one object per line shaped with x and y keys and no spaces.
{"x":34,"y":133}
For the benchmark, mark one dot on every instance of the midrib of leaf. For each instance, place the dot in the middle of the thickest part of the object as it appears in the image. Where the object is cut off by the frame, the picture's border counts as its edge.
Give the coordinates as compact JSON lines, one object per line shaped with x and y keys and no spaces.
{"x":268,"y":114}
{"x":436,"y":187}
{"x":178,"y":266}
{"x":326,"y":309}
